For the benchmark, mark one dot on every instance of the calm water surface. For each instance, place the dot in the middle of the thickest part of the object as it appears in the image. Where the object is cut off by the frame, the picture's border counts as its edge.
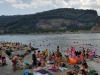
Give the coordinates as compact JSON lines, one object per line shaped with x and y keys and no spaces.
{"x":51,"y":41}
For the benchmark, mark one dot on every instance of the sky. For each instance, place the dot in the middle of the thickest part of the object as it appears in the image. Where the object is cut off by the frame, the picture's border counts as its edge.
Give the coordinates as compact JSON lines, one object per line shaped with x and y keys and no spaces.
{"x":22,"y":7}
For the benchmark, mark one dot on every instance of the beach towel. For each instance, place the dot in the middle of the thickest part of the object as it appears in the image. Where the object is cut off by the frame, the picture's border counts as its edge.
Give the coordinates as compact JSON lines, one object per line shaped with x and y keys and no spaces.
{"x":39,"y":68}
{"x":53,"y":69}
{"x":25,"y":73}
{"x":72,"y":61}
{"x":63,"y":68}
{"x":42,"y":72}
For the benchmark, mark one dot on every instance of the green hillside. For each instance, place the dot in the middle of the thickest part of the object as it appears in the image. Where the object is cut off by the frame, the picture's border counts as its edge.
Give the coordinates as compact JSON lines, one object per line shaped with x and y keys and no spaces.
{"x":77,"y":19}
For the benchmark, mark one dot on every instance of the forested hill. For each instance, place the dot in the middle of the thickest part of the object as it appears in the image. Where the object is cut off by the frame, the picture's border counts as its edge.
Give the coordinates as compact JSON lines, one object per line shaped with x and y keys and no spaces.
{"x":57,"y":20}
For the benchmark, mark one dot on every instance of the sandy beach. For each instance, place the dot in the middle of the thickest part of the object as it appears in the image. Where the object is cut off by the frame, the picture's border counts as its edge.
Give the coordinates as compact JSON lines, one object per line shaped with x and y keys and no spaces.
{"x":7,"y":70}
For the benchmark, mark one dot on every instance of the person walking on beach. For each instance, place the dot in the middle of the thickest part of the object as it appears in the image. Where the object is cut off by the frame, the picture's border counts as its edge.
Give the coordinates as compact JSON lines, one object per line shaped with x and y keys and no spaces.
{"x":15,"y":61}
{"x":34,"y":59}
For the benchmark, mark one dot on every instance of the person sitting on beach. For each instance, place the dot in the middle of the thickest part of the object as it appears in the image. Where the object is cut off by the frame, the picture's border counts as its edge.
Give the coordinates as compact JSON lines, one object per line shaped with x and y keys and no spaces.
{"x":67,"y":59}
{"x":82,"y":72}
{"x":43,"y":55}
{"x":87,"y":53}
{"x":78,"y":59}
{"x":57,"y":62}
{"x":62,"y":60}
{"x":83,"y":53}
{"x":50,"y":59}
{"x":43,"y":63}
{"x":53,"y":55}
{"x":49,"y":56}
{"x":84,"y":67}
{"x":72,"y":72}
{"x":80,"y":52}
{"x":15,"y":61}
{"x":91,"y":55}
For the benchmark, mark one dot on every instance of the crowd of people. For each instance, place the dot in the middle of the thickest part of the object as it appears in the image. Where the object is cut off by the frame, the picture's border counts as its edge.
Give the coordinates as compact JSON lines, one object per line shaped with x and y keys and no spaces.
{"x":72,"y":57}
{"x":58,"y":60}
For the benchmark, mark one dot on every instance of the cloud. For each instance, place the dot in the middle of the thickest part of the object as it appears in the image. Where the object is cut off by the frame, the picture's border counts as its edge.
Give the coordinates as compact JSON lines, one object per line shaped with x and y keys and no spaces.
{"x":85,"y":4}
{"x":1,"y":1}
{"x":11,"y":1}
{"x":39,"y":3}
{"x":79,"y":4}
{"x":33,"y":4}
{"x":21,"y":6}
{"x":60,"y":4}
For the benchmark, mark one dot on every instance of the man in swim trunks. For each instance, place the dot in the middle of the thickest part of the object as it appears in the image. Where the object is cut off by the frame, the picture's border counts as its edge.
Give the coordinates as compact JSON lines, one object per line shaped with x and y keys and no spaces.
{"x":15,"y":61}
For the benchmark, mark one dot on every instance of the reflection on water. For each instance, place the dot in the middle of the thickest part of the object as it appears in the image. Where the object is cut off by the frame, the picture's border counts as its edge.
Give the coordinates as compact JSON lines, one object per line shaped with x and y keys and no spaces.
{"x":51,"y":41}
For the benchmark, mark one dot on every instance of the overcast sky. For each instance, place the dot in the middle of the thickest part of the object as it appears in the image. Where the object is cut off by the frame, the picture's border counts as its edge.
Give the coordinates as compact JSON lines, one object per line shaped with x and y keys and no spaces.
{"x":20,"y":7}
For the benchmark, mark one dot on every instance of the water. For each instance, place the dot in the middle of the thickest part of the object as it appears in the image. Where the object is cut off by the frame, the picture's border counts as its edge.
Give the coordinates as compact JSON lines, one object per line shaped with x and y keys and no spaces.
{"x":51,"y":41}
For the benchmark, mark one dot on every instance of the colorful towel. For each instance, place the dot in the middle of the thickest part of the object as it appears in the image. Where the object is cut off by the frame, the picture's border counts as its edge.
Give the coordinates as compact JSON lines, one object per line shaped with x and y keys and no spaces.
{"x":39,"y":68}
{"x":63,"y":68}
{"x":53,"y":69}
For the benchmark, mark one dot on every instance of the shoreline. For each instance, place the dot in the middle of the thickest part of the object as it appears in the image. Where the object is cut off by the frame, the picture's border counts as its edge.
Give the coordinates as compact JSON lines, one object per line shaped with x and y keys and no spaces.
{"x":85,"y":32}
